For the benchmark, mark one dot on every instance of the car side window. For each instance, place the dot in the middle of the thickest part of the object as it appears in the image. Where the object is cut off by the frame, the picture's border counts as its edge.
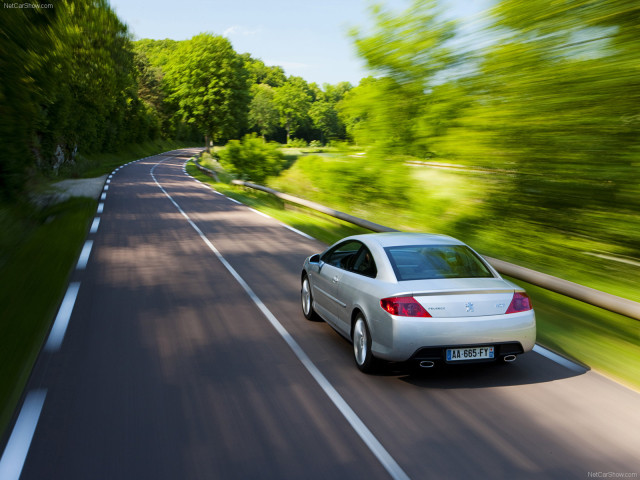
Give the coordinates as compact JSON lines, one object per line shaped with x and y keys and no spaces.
{"x":364,"y":263}
{"x":342,"y":255}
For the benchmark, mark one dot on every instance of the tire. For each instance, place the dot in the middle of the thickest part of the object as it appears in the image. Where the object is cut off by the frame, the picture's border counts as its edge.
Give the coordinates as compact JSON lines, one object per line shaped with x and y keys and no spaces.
{"x":365,"y":360}
{"x":306,"y":300}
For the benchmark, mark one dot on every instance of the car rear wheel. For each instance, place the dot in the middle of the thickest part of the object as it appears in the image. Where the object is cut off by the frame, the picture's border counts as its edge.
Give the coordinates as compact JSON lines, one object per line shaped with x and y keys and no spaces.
{"x":365,"y":360}
{"x":307,"y":300}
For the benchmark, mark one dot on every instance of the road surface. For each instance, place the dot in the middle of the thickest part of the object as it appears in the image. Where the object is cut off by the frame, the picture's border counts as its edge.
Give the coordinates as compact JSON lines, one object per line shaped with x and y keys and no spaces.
{"x":185,"y":355}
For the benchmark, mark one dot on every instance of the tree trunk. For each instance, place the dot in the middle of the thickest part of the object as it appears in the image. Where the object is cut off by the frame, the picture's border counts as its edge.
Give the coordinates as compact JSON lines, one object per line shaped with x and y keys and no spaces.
{"x":206,"y":142}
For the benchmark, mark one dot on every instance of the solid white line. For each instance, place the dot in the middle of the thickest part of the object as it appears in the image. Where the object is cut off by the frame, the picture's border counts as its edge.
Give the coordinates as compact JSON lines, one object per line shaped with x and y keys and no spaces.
{"x":360,"y":428}
{"x":298,"y":232}
{"x":15,"y":453}
{"x":62,"y":319}
{"x":84,"y":255}
{"x":94,"y":225}
{"x":234,"y":201}
{"x":260,"y":213}
{"x":559,"y":359}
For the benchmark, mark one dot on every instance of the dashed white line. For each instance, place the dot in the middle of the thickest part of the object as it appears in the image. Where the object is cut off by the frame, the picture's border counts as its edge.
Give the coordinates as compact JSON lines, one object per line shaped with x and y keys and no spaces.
{"x":62,"y":319}
{"x":95,"y":225}
{"x":374,"y":445}
{"x":12,"y":461}
{"x":100,"y":207}
{"x":84,"y":255}
{"x":103,"y":197}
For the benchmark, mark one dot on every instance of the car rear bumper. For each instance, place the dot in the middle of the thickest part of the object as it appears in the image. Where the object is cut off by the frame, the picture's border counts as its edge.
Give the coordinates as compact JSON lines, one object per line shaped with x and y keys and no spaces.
{"x":401,"y":338}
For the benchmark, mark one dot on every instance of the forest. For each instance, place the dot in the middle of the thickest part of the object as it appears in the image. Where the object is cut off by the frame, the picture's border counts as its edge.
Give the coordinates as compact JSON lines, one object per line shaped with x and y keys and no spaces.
{"x":543,"y":99}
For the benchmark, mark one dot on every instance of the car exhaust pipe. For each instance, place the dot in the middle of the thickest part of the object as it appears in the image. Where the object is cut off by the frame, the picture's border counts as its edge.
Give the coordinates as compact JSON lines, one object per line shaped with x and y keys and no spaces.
{"x":509,"y":358}
{"x":426,"y":364}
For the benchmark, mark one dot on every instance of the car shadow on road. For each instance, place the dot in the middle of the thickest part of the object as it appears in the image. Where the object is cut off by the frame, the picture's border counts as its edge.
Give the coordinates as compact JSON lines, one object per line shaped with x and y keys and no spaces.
{"x":530,"y":368}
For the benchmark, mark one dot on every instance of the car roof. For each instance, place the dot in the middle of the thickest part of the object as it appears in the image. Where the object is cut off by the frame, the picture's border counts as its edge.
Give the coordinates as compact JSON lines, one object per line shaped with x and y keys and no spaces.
{"x":392,"y":239}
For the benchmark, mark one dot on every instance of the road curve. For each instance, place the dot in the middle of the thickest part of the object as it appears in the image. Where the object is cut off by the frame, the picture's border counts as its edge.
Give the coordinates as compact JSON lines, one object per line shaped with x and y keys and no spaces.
{"x":169,"y":369}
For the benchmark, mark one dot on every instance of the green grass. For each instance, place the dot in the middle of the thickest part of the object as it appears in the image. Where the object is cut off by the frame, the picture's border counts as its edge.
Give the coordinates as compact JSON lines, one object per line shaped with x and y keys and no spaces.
{"x":607,"y":342}
{"x":33,"y":277}
{"x":323,"y":227}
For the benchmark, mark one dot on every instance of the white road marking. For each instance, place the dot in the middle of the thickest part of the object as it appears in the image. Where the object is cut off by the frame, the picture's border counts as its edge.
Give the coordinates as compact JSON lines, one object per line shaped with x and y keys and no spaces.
{"x":15,"y":453}
{"x":103,"y":197}
{"x":295,"y":230}
{"x":100,"y":207}
{"x":95,"y":225}
{"x":106,"y":187}
{"x":298,"y":231}
{"x":260,"y":213}
{"x":62,"y":319}
{"x":559,"y":359}
{"x":84,"y":255}
{"x":387,"y":461}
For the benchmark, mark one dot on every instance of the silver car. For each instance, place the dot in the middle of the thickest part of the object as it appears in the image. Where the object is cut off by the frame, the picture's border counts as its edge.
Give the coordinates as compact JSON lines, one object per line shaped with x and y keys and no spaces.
{"x":410,"y":296}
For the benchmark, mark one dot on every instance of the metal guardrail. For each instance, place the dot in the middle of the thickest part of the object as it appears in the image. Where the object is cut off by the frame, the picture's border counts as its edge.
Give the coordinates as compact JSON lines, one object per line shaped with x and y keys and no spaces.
{"x":205,"y":170}
{"x":612,"y":303}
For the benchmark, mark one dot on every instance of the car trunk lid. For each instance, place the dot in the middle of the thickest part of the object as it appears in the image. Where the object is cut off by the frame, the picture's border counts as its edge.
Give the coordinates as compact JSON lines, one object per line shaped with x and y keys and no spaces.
{"x":470,"y":297}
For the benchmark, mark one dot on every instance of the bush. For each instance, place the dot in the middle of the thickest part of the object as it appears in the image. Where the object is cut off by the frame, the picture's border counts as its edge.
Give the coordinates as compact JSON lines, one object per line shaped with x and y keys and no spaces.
{"x":297,"y":143}
{"x":252,"y":158}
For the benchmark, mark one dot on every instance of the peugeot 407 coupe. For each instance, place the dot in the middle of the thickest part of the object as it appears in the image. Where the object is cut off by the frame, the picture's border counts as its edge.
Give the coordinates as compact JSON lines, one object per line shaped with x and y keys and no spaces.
{"x":428,"y":299}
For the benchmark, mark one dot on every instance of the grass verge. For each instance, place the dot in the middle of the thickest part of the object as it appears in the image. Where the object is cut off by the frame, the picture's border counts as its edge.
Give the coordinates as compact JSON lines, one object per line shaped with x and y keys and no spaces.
{"x":607,"y":342}
{"x":33,"y":279}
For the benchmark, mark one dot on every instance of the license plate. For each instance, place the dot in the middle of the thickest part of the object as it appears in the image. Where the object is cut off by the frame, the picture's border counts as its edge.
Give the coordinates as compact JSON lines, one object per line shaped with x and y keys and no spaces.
{"x":472,"y":353}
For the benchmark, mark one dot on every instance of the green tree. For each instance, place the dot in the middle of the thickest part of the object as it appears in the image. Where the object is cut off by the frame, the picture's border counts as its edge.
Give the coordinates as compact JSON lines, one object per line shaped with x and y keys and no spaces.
{"x":411,"y":54}
{"x":259,"y":73}
{"x":293,"y":101}
{"x":208,"y":81}
{"x":555,"y":102}
{"x":23,"y":49}
{"x":325,"y":118}
{"x":263,"y":115}
{"x":410,"y":47}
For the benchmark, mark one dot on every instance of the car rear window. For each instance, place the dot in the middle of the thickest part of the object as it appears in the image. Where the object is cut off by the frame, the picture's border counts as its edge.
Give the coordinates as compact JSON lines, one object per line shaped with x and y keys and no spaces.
{"x":427,"y":262}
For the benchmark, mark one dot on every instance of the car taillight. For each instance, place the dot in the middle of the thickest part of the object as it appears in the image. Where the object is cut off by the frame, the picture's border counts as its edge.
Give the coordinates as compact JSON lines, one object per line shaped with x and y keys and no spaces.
{"x":520,"y":303}
{"x":403,"y":307}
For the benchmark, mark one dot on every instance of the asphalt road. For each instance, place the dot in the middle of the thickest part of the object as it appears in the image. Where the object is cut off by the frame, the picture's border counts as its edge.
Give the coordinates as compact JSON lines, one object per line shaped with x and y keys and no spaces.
{"x":177,"y":363}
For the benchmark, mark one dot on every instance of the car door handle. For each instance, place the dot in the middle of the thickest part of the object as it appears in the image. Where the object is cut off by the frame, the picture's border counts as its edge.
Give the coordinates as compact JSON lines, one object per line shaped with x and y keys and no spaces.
{"x":335,"y":279}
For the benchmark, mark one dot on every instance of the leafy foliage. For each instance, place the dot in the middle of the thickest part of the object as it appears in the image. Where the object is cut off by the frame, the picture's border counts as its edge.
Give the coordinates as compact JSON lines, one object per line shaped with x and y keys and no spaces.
{"x":263,"y":115}
{"x":208,"y":81}
{"x":69,"y":87}
{"x":292,"y":100}
{"x":252,"y":158}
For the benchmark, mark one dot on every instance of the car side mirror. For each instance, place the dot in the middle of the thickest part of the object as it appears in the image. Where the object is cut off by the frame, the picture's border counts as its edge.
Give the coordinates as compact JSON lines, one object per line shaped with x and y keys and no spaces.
{"x":314,"y":258}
